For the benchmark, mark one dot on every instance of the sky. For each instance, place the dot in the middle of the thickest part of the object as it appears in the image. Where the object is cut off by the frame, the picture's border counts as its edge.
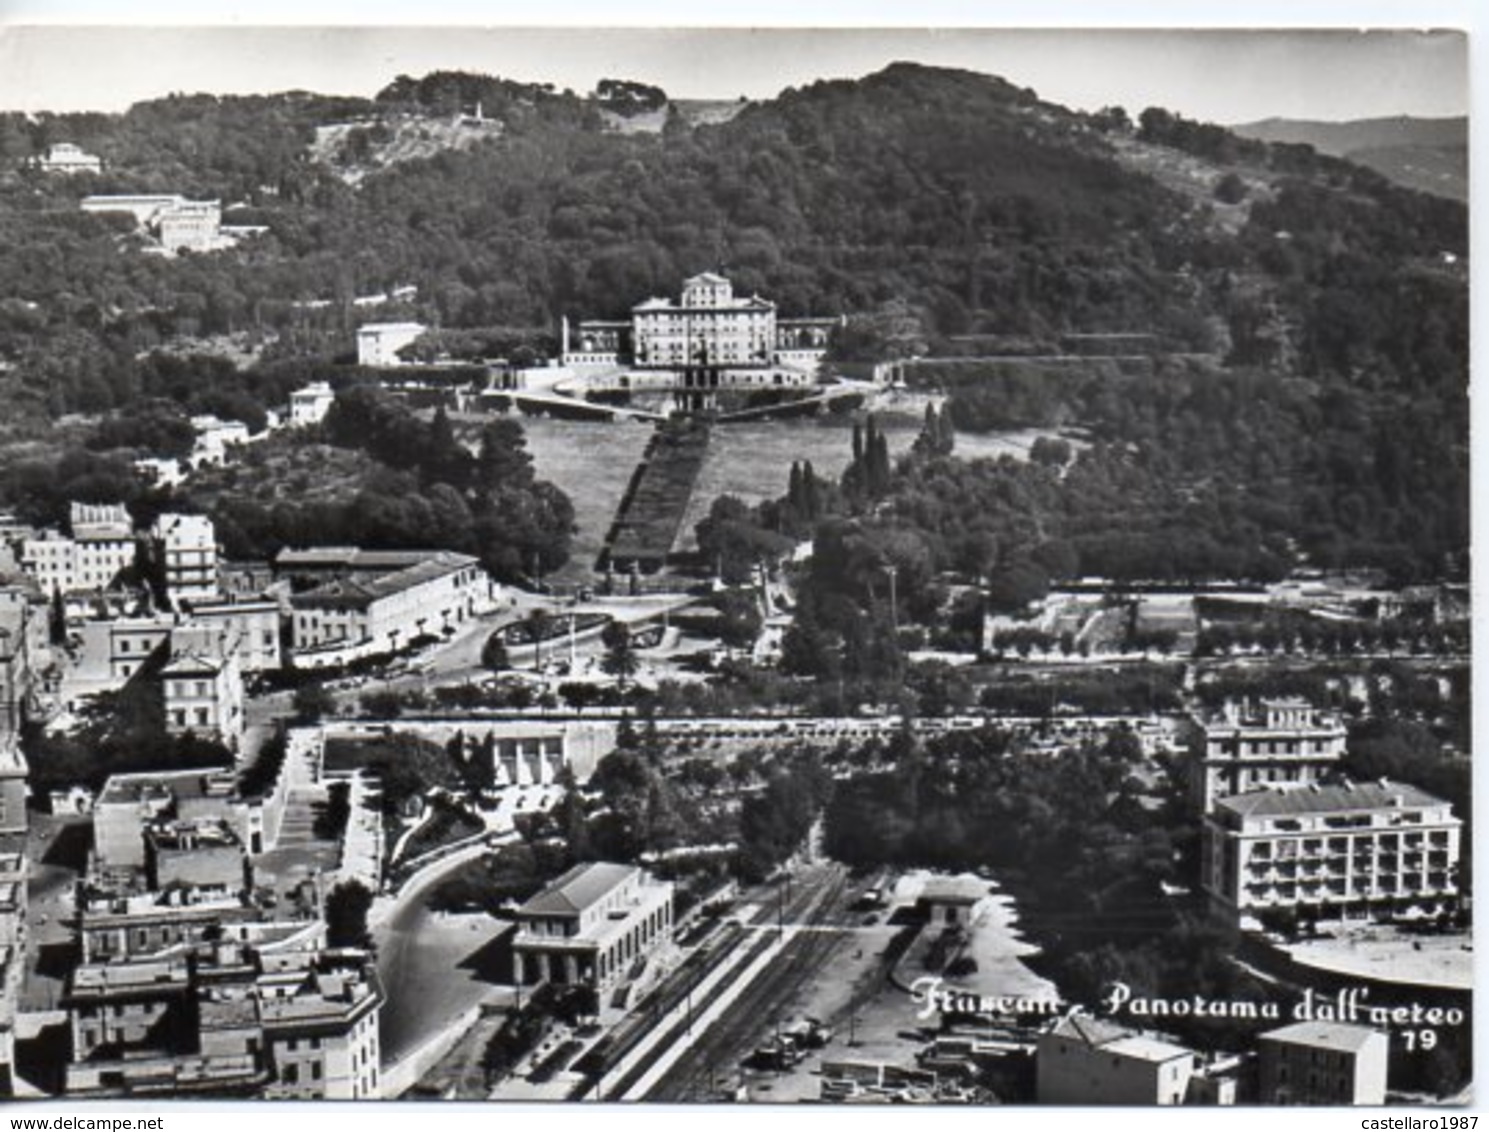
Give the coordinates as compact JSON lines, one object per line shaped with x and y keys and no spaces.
{"x":1219,"y":75}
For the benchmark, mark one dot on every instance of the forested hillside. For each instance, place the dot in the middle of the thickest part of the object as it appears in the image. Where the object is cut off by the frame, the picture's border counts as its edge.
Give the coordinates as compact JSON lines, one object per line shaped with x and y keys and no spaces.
{"x":983,"y":208}
{"x":1330,"y":311}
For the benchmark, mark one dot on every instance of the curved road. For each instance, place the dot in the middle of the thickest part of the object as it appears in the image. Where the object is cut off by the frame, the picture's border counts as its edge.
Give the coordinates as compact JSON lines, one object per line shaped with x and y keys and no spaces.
{"x":430,"y":964}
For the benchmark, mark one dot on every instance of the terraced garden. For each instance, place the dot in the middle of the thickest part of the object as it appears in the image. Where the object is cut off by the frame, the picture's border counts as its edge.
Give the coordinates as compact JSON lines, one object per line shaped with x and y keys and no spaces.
{"x":592,"y":463}
{"x":652,"y":510}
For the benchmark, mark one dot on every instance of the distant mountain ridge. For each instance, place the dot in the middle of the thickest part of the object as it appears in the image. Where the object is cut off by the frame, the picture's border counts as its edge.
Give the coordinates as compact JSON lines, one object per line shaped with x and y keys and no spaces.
{"x":1430,"y":154}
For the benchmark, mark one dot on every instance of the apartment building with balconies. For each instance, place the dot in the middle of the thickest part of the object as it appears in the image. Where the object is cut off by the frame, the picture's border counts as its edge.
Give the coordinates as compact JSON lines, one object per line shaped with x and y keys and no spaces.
{"x":1273,"y":742}
{"x":1374,"y":850}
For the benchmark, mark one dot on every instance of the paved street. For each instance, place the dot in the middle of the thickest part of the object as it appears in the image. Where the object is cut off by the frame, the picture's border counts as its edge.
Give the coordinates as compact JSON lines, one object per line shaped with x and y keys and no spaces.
{"x":433,"y":966}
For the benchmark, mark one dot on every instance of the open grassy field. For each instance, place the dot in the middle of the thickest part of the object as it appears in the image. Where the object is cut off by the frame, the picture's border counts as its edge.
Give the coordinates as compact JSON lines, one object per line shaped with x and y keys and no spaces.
{"x":591,"y":461}
{"x":753,"y":460}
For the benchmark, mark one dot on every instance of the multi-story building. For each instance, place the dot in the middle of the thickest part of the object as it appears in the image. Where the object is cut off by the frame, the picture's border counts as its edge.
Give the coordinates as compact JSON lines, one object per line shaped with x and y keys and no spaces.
{"x":144,"y":207}
{"x":1373,"y":849}
{"x":11,"y":538}
{"x":161,"y":471}
{"x":129,"y":803}
{"x":257,"y":624}
{"x":591,"y":925}
{"x":109,"y":652}
{"x":13,"y":870}
{"x":12,"y":974}
{"x":186,"y":547}
{"x":121,"y":924}
{"x":24,"y":634}
{"x":50,"y":559}
{"x":378,"y":343}
{"x":177,"y":223}
{"x":14,"y":877}
{"x":317,"y":565}
{"x":66,"y":157}
{"x":100,"y":521}
{"x":196,"y":853}
{"x":202,"y":683}
{"x":250,"y":581}
{"x":1084,"y":1060}
{"x":1322,"y":1063}
{"x":102,"y":545}
{"x":13,"y":787}
{"x":1277,"y":742}
{"x":214,"y":436}
{"x":226,"y":1021}
{"x":321,"y":1027}
{"x":191,"y":226}
{"x":708,"y":327}
{"x":386,"y":612}
{"x":710,"y":333}
{"x":310,"y":404}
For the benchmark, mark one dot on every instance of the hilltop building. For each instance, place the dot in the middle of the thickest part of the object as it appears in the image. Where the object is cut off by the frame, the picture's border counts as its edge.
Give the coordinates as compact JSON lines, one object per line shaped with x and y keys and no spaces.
{"x":1375,"y":850}
{"x":161,"y":471}
{"x":177,"y":224}
{"x":66,"y":157}
{"x":1323,"y":1063}
{"x":592,"y":925}
{"x":378,"y":343}
{"x":310,"y":404}
{"x":191,"y":226}
{"x":214,"y":437}
{"x":707,"y":339}
{"x":1283,"y":742}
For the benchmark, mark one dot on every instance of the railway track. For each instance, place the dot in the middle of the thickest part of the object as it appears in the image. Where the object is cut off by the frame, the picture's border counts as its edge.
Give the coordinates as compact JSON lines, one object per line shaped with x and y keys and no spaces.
{"x":719,"y":1049}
